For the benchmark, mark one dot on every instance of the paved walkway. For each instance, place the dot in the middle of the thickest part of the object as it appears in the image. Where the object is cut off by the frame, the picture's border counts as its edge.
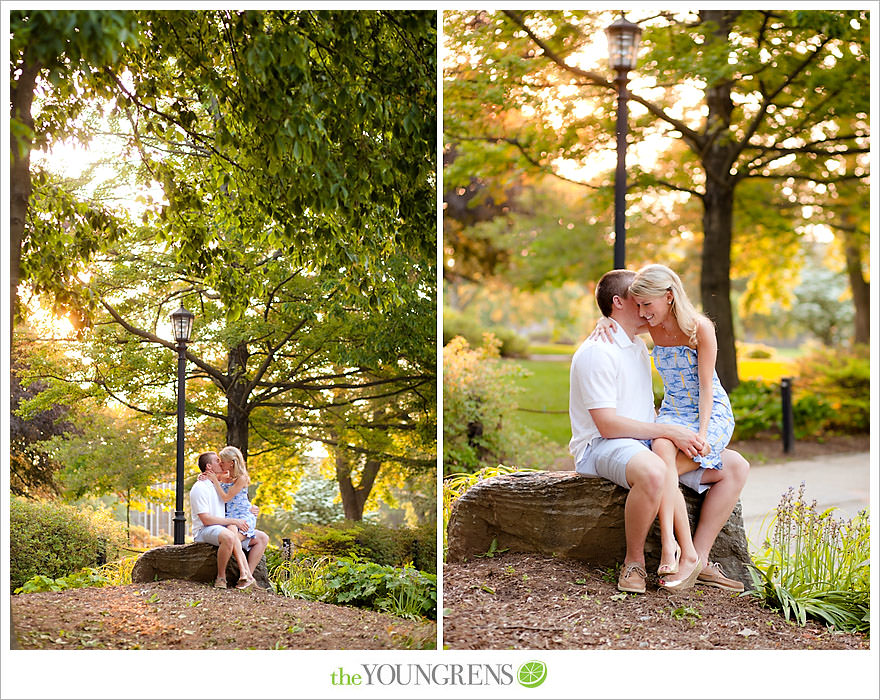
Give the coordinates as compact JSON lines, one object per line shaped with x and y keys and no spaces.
{"x":840,"y":480}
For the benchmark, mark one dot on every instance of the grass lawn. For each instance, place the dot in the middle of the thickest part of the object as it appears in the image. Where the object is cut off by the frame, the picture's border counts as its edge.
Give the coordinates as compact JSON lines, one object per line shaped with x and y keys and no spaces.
{"x":546,"y":389}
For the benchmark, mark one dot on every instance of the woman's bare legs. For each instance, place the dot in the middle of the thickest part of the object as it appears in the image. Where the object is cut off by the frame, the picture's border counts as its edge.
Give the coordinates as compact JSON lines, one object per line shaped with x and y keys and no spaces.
{"x":675,"y":527}
{"x":244,"y":569}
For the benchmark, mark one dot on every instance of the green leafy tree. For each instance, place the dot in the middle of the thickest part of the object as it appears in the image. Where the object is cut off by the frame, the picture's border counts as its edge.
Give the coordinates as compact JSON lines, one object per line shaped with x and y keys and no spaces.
{"x":62,"y":54}
{"x":33,"y":470}
{"x":273,"y":376}
{"x":779,"y":104}
{"x":314,"y":131}
{"x":115,"y":451}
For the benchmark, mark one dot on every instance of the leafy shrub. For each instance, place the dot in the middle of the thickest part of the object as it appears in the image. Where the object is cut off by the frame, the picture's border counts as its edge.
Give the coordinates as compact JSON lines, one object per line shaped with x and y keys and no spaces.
{"x":141,"y":538}
{"x":115,"y":573}
{"x":456,"y":324}
{"x":815,"y":566}
{"x":88,"y":577}
{"x":479,"y":403}
{"x":54,"y":539}
{"x":405,"y":592}
{"x":755,"y":352}
{"x":840,"y":379}
{"x":370,"y":541}
{"x":274,"y":558}
{"x":757,"y":408}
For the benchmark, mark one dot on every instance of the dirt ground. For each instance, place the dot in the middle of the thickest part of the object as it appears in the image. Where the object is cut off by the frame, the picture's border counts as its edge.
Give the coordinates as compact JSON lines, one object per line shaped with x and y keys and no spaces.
{"x":188,"y":615}
{"x":763,"y":451}
{"x":531,"y":601}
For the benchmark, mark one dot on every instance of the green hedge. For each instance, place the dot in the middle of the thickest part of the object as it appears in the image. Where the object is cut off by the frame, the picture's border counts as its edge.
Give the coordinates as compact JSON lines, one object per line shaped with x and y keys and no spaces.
{"x":457,"y":324}
{"x":54,"y":539}
{"x":830,"y":394}
{"x":375,"y":543}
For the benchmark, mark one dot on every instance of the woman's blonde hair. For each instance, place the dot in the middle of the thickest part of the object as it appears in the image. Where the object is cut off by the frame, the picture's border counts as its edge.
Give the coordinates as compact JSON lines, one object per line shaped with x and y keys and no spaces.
{"x":656,"y":280}
{"x":234,"y":455}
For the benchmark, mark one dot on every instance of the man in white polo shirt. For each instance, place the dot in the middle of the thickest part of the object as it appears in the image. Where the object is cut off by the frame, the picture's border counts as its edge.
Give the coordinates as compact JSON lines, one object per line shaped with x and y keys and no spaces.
{"x":209,"y":523}
{"x":611,"y":406}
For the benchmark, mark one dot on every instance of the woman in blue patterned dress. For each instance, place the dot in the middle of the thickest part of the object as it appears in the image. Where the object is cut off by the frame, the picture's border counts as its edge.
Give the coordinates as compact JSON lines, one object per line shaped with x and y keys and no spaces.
{"x":233,"y":492}
{"x":685,"y":348}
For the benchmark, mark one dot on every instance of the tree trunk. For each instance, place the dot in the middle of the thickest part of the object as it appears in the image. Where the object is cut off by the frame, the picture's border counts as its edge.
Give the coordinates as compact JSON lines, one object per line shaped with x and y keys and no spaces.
{"x":715,"y":277}
{"x":354,"y":497}
{"x":237,"y":409}
{"x":861,"y":290}
{"x":20,"y":186}
{"x":717,"y":158}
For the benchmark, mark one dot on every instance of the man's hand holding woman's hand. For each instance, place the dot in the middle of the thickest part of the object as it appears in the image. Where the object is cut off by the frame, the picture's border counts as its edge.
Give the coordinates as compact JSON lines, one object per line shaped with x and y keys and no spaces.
{"x":239,"y":523}
{"x":687,"y":440}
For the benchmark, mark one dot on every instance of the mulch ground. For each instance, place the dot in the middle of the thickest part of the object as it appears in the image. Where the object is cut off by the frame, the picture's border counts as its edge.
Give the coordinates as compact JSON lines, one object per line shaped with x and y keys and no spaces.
{"x":188,"y":615}
{"x":529,"y":601}
{"x":765,"y":450}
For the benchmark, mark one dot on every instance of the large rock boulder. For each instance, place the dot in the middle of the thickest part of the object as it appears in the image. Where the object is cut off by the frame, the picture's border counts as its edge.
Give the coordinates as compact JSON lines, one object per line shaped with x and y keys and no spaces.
{"x":571,"y":515}
{"x":192,"y":562}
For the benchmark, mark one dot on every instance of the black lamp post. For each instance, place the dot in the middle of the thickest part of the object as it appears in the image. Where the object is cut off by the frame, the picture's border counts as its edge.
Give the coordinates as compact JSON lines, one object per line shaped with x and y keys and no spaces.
{"x":181,"y":322}
{"x":623,"y":46}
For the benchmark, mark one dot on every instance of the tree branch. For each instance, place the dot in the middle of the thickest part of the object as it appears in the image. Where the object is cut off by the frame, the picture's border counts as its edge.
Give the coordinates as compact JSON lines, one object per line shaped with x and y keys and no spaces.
{"x":599,"y":80}
{"x":211,"y":371}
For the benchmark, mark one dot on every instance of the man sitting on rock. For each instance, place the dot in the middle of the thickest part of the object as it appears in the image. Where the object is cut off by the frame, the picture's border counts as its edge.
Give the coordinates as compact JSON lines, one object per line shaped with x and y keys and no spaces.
{"x":611,"y":407}
{"x":209,"y":523}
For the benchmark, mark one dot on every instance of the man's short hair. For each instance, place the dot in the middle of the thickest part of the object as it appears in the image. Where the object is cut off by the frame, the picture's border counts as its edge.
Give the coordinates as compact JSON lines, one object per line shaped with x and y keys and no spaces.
{"x":613,"y":284}
{"x":203,"y":460}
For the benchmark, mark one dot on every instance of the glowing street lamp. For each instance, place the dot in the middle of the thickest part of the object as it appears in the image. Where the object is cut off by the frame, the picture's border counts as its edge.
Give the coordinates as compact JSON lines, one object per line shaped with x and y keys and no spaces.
{"x":181,"y":323}
{"x":623,"y":47}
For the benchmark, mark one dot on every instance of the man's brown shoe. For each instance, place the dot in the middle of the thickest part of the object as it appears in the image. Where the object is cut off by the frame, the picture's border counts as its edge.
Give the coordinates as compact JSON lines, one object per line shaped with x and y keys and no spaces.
{"x":632,"y":578}
{"x":713,"y":575}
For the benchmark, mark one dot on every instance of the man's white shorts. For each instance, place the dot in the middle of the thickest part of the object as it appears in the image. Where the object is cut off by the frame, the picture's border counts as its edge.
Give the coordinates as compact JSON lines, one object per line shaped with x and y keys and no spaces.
{"x":210,"y":534}
{"x":608,"y":458}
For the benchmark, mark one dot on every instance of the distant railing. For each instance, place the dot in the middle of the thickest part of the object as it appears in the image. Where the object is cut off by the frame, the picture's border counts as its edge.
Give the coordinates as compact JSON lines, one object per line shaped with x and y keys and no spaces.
{"x":155,"y":517}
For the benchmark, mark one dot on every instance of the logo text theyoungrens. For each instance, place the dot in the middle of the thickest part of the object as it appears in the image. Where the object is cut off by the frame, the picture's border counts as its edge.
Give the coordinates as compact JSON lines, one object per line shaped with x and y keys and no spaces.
{"x":426,"y":674}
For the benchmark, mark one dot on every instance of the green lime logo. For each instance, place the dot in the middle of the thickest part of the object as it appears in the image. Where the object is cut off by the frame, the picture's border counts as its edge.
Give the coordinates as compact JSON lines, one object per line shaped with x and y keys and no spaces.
{"x":531,"y":674}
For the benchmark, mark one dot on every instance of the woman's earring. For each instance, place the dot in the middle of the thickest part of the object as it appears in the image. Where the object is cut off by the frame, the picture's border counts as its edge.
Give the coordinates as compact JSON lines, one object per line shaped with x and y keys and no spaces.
{"x":670,"y":302}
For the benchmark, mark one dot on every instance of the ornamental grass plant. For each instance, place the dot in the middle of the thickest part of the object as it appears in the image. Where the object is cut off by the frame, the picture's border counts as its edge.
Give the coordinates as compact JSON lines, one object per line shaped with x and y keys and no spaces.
{"x":814,"y":565}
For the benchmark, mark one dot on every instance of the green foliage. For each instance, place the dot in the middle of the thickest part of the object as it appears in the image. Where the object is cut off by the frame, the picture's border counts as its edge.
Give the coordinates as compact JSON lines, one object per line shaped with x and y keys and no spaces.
{"x":405,"y":592}
{"x":841,"y":379}
{"x":458,"y":324}
{"x":830,"y":394}
{"x":53,"y":539}
{"x":756,"y":408}
{"x":479,"y":401}
{"x":118,"y":573}
{"x":372,"y":542}
{"x":813,"y":565}
{"x":86,"y":578}
{"x":493,"y":550}
{"x":114,"y":573}
{"x":686,"y":612}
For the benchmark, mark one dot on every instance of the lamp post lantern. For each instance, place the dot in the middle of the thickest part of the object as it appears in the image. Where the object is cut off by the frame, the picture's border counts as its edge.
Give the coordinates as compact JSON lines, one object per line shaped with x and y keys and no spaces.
{"x":181,"y":322}
{"x":623,"y":46}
